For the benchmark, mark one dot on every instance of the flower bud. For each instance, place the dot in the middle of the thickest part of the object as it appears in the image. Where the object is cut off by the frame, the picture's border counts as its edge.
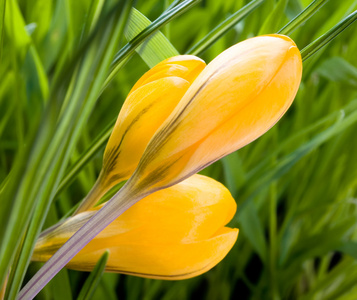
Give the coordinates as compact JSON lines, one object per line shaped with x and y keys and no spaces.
{"x":148,"y":104}
{"x":241,"y":94}
{"x":174,"y":233}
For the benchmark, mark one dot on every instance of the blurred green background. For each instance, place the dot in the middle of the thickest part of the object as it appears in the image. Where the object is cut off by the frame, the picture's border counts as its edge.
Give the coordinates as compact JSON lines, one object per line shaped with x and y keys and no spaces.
{"x":295,"y":187}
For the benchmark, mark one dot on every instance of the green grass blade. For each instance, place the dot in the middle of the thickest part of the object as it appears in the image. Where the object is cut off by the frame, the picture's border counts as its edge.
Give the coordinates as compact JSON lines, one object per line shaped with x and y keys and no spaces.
{"x":285,"y":163}
{"x":93,"y":15}
{"x":98,"y":59}
{"x":15,"y":25}
{"x":253,"y":229}
{"x":98,"y":144}
{"x":275,"y":18}
{"x":223,"y":27}
{"x":316,"y":45}
{"x":306,"y":14}
{"x":93,"y":280}
{"x":2,"y":21}
{"x":129,"y":48}
{"x":339,"y":70}
{"x":320,"y":124}
{"x":156,"y":48}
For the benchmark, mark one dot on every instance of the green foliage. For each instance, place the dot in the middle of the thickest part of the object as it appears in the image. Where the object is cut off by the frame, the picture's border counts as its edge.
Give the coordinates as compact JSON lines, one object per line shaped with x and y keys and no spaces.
{"x":66,"y":67}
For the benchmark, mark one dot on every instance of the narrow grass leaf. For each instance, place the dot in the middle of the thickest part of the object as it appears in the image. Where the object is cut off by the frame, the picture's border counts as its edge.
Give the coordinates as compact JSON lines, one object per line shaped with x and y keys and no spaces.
{"x":339,"y":70}
{"x":98,"y":144}
{"x":2,"y":21}
{"x":92,"y":17}
{"x":350,"y":248}
{"x":285,"y":163}
{"x":93,"y":280}
{"x":156,"y":48}
{"x":328,"y":36}
{"x":306,"y":14}
{"x":61,"y":286}
{"x":15,"y":25}
{"x":223,"y":27}
{"x":326,"y":241}
{"x":95,"y":65}
{"x":129,"y":48}
{"x":275,"y":18}
{"x":233,"y":172}
{"x":253,"y":230}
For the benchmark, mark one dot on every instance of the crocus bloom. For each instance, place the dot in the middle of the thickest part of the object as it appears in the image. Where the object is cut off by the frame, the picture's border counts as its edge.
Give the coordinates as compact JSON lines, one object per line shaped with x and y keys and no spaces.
{"x":241,"y":94}
{"x":148,"y":104}
{"x":174,"y":233}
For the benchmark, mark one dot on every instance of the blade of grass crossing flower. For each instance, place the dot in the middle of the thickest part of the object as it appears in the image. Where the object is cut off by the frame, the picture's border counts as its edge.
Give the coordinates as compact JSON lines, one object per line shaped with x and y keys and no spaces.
{"x":275,"y":18}
{"x":99,"y":60}
{"x":316,"y":45}
{"x":129,"y":48}
{"x":93,"y":280}
{"x":306,"y":14}
{"x":156,"y":48}
{"x":223,"y":27}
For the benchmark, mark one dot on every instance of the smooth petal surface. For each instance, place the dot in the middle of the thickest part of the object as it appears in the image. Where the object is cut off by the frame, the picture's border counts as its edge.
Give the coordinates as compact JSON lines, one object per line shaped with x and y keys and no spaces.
{"x":240,"y":95}
{"x":174,"y":233}
{"x":149,"y":103}
{"x":187,"y":67}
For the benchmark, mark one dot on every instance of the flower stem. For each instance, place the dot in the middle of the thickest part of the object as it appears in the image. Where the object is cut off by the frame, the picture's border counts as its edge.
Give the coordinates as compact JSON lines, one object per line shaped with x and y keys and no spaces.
{"x":124,"y":199}
{"x":98,"y":190}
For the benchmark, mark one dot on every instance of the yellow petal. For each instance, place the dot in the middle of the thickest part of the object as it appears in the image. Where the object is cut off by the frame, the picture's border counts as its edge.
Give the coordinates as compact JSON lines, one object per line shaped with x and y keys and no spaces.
{"x":142,"y":113}
{"x":187,"y":67}
{"x":238,"y":97}
{"x":148,"y":104}
{"x":162,"y":261}
{"x":186,"y":219}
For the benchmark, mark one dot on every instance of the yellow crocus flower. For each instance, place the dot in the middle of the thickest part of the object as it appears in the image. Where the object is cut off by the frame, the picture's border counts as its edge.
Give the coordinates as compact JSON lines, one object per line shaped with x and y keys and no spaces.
{"x":241,"y":94}
{"x":148,"y":104}
{"x":175,"y":233}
